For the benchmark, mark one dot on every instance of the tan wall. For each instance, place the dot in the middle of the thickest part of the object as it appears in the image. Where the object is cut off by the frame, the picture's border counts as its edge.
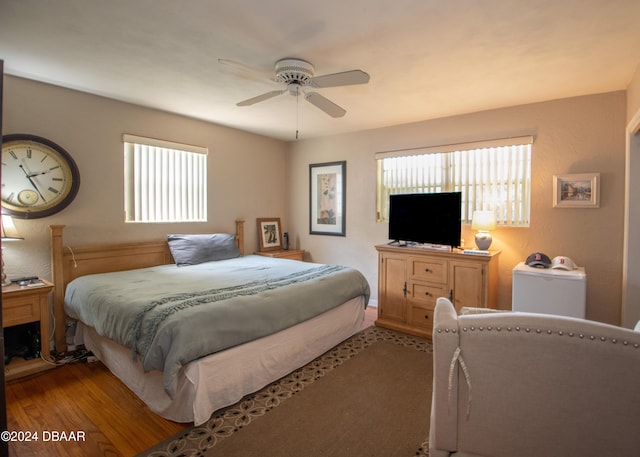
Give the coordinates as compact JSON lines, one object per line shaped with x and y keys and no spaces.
{"x":633,"y":95}
{"x":247,"y":179}
{"x":246,"y":171}
{"x":631,"y":274}
{"x":576,"y":135}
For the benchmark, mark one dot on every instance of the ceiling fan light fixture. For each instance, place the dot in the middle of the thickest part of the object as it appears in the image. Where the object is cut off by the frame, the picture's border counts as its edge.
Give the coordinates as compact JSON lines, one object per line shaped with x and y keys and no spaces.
{"x":294,"y":89}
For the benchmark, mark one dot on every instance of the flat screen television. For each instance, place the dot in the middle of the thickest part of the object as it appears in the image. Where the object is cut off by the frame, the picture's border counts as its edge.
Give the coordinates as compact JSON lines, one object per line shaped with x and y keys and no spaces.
{"x":426,"y":218}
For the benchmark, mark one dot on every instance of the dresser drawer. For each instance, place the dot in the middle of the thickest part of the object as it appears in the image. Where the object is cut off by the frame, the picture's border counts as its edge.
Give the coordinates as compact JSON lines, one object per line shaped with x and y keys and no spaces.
{"x":20,"y":310}
{"x":420,"y":317}
{"x":432,"y":270}
{"x":425,"y":295}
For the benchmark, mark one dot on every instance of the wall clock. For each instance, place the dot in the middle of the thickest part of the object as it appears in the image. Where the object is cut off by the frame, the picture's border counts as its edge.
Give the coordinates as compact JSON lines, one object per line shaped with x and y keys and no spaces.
{"x":39,"y":178}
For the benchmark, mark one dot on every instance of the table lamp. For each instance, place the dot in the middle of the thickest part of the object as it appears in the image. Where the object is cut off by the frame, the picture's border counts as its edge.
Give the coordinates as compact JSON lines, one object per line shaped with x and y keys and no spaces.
{"x":9,"y":232}
{"x":483,"y":221}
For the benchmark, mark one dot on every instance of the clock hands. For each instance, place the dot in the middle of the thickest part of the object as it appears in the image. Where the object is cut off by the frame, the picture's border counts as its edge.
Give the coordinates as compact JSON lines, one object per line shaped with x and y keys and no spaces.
{"x":32,"y":181}
{"x":31,"y":175}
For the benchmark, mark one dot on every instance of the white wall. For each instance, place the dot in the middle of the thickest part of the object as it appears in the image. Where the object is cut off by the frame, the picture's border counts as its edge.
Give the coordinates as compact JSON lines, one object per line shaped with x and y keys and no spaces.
{"x":246,"y":171}
{"x":576,"y":135}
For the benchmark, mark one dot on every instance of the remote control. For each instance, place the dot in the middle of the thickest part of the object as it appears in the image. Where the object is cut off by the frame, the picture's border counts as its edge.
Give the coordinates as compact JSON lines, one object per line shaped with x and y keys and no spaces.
{"x":23,"y":279}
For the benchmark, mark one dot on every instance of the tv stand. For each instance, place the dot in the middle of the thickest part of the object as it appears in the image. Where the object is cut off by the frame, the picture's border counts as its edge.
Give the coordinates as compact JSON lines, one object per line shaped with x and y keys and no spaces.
{"x":410,"y":279}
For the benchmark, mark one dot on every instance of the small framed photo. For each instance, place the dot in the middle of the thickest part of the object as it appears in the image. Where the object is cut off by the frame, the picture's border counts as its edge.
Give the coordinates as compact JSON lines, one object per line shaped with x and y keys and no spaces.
{"x":269,"y":234}
{"x":581,"y":190}
{"x":327,"y":198}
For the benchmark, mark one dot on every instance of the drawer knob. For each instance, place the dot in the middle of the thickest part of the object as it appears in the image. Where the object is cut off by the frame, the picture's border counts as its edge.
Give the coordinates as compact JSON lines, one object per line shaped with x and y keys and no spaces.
{"x":427,"y":293}
{"x":426,"y":316}
{"x":427,"y":270}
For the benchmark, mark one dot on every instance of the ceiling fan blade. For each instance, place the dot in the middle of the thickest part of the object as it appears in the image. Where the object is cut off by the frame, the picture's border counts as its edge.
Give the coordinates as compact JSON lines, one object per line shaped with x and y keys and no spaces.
{"x":345,"y":78}
{"x":325,"y":104}
{"x":260,"y":98}
{"x":245,"y":68}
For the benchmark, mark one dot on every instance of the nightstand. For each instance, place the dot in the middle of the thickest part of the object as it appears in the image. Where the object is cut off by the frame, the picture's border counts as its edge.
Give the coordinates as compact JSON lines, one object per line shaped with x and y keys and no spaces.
{"x":22,"y":305}
{"x":293,"y":254}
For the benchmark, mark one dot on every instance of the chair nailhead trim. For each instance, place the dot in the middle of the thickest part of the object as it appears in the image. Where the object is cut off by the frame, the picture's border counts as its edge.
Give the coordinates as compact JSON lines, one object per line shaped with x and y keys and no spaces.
{"x":538,"y":331}
{"x":447,"y":330}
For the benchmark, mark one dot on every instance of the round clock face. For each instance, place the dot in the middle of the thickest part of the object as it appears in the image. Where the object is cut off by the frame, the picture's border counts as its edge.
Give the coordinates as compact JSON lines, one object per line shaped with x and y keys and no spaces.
{"x":39,"y":178}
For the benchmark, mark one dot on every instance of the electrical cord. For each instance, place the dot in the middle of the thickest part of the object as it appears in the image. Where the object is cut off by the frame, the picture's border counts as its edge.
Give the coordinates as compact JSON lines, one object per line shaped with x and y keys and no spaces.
{"x":79,"y":355}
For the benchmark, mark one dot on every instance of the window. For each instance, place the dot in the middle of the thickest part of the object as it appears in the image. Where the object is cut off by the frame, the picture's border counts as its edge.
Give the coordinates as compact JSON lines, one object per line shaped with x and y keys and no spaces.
{"x":492,"y":175}
{"x":164,"y":181}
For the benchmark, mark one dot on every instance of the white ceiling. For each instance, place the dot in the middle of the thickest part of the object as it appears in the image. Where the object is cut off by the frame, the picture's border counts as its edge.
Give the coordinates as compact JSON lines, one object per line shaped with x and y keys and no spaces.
{"x":427,"y":58}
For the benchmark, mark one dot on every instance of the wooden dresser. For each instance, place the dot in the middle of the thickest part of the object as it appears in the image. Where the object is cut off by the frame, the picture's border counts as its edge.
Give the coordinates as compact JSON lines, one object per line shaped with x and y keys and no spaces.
{"x":410,"y":280}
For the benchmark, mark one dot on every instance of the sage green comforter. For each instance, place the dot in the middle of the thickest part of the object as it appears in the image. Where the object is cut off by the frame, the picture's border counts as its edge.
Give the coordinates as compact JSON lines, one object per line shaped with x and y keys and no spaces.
{"x":170,"y":316}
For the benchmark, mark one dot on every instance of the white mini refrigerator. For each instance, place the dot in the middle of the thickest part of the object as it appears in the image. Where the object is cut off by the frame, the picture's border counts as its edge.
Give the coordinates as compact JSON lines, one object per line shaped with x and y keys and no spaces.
{"x":549,"y":291}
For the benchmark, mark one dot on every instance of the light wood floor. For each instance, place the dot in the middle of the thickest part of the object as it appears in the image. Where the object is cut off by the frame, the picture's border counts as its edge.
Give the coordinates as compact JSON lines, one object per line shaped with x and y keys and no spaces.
{"x":86,"y":399}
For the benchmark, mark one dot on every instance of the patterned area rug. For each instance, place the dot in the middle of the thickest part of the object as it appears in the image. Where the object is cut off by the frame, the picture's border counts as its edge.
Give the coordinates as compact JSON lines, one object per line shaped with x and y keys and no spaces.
{"x":273,"y":421}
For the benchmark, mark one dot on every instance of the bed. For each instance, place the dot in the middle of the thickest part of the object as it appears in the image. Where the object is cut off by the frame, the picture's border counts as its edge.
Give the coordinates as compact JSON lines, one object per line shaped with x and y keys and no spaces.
{"x":183,"y":375}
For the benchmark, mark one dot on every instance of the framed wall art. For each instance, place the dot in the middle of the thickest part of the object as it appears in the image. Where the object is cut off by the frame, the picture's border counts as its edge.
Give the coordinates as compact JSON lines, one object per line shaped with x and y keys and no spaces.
{"x":269,"y":234}
{"x":580,"y":190}
{"x":327,"y":198}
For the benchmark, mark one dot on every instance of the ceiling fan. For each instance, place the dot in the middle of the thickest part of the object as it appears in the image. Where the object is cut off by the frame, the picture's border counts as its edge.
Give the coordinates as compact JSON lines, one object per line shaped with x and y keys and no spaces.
{"x":298,"y":75}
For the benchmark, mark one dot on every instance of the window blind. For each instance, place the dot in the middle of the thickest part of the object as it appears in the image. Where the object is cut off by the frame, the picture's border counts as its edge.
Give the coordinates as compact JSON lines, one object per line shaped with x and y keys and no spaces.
{"x":164,"y":181}
{"x":491,"y":175}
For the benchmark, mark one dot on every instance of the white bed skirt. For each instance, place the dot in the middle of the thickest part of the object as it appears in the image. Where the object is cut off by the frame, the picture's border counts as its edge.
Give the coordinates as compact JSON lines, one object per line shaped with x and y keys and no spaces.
{"x":222,"y":379}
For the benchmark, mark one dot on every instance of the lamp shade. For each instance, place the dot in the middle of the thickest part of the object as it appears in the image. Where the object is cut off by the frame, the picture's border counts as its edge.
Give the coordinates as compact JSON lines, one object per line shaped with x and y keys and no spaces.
{"x":9,"y":230}
{"x":483,"y":220}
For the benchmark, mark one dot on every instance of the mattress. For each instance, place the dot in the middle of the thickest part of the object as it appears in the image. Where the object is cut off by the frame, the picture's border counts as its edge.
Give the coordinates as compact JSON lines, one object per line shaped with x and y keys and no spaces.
{"x":169,"y":316}
{"x":221,"y":379}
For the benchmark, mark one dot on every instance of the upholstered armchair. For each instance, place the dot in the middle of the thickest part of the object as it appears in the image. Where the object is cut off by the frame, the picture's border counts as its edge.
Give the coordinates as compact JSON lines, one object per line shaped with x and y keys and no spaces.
{"x":533,"y":385}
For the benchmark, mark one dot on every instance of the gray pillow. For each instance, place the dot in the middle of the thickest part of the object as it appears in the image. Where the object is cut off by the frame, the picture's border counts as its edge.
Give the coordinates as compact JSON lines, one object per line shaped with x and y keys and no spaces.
{"x":195,"y":249}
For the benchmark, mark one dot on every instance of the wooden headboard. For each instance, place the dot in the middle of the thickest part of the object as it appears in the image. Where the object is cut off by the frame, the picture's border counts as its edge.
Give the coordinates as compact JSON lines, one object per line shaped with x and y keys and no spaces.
{"x":70,"y":262}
